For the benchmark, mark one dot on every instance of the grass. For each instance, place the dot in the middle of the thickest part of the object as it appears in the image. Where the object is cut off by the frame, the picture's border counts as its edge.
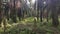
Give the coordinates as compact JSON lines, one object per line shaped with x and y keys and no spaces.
{"x":25,"y":26}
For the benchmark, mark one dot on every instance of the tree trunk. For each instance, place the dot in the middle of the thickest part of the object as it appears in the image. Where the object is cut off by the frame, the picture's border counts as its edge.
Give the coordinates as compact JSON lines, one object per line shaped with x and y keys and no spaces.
{"x":55,"y":21}
{"x":41,"y":15}
{"x":0,"y":14}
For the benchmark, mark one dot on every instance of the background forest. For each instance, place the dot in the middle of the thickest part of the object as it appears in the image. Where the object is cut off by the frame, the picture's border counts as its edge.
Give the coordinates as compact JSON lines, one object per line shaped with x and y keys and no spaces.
{"x":29,"y":16}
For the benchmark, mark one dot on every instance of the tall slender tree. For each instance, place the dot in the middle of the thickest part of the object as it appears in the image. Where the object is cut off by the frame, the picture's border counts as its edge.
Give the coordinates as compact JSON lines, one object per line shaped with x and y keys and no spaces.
{"x":52,"y":5}
{"x":0,"y":6}
{"x":55,"y":21}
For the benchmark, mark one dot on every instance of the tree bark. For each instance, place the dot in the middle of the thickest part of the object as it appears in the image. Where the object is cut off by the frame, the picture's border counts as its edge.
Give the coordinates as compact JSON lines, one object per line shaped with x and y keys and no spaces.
{"x":55,"y":21}
{"x":0,"y":14}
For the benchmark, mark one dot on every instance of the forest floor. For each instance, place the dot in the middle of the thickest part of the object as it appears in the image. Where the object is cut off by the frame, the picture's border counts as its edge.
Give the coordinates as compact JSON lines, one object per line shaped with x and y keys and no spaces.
{"x":28,"y":26}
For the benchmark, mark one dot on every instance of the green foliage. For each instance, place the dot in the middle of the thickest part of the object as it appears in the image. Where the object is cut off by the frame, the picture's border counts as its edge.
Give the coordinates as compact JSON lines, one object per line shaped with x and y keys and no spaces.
{"x":21,"y":27}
